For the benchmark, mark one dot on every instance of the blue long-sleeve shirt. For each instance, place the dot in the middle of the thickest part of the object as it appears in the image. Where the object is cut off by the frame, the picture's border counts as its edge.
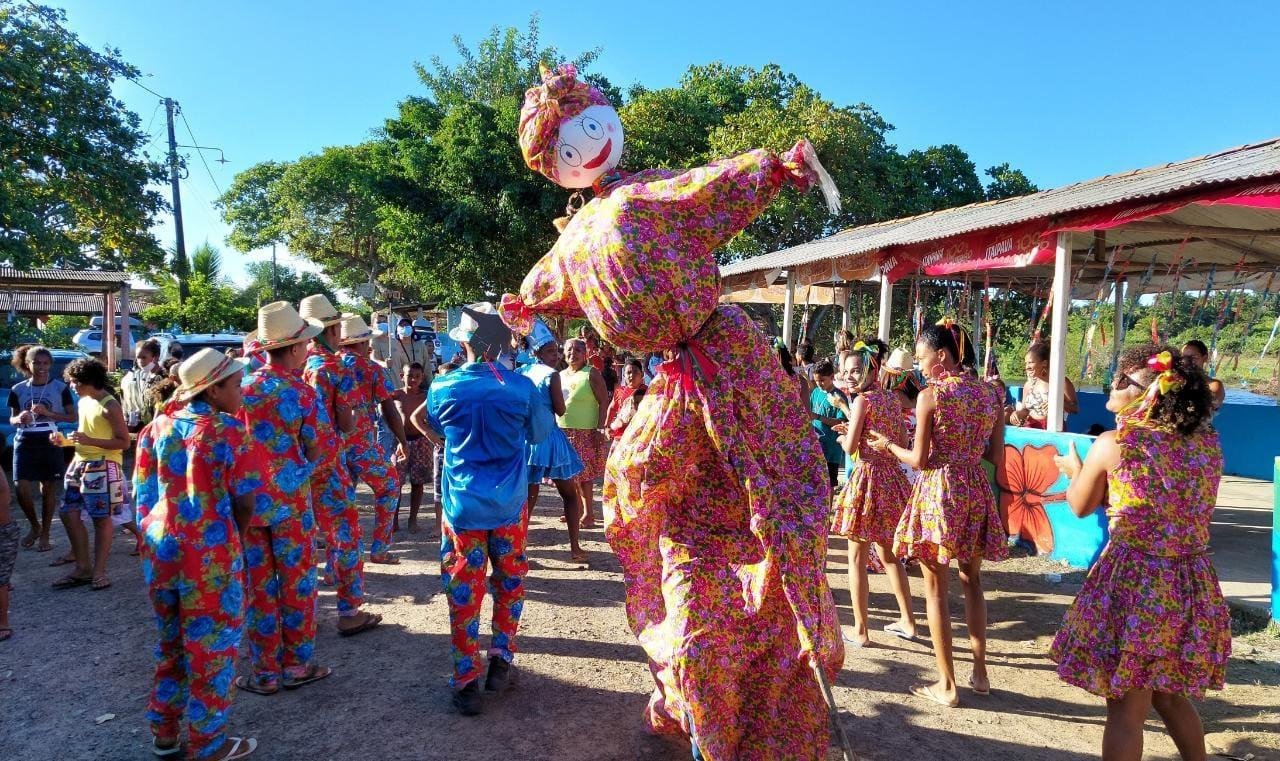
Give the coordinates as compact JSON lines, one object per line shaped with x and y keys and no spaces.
{"x":487,"y":415}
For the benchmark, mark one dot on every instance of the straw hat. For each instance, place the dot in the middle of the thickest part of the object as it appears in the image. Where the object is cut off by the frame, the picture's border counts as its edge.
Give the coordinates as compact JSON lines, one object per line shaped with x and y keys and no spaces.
{"x":355,"y":330}
{"x":899,"y":362}
{"x":318,"y":308}
{"x":202,"y":370}
{"x":280,"y":325}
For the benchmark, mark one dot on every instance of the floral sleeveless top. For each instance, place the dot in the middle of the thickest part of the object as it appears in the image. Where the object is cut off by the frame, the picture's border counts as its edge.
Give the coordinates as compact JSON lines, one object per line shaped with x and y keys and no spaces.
{"x":1163,"y":491}
{"x":962,"y":421}
{"x":884,"y":415}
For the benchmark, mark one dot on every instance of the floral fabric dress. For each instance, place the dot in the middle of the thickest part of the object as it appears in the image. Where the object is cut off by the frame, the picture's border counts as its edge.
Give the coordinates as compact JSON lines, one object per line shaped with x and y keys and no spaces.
{"x":873,"y":499}
{"x":952,"y":512}
{"x":1151,"y":614}
{"x":716,"y":492}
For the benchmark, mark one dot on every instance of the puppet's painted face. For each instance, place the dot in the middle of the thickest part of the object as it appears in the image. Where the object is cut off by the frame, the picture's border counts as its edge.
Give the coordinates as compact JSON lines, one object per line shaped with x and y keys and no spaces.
{"x":590,"y":144}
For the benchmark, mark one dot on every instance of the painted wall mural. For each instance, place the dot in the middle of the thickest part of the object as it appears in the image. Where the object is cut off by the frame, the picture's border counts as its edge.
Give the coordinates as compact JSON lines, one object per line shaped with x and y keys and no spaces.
{"x":1032,"y":493}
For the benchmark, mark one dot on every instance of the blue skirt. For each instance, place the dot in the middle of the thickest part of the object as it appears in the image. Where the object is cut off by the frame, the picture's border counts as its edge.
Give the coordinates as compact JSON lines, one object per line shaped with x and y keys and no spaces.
{"x":553,"y":458}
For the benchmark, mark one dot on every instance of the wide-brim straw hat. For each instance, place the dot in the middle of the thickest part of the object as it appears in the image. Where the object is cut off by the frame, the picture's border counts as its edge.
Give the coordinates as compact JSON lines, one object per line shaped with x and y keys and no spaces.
{"x":355,"y":330}
{"x":280,"y":325}
{"x":204,"y":369}
{"x":318,"y":308}
{"x":899,"y":362}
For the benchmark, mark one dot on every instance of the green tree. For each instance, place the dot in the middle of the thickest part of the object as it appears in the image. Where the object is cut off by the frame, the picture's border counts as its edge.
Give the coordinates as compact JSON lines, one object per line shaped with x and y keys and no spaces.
{"x":1007,"y":182}
{"x":252,"y":206}
{"x":210,"y":307}
{"x":207,"y":261}
{"x":73,"y":173}
{"x":943,"y":176}
{"x":290,"y":285}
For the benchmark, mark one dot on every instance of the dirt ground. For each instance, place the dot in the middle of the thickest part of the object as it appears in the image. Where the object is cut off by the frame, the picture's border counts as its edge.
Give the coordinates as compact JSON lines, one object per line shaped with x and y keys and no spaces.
{"x":78,"y":656}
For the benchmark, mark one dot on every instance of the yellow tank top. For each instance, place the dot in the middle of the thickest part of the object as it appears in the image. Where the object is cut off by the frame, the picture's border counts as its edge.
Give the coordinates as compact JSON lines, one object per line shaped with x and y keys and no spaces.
{"x":94,"y":422}
{"x":581,"y":410}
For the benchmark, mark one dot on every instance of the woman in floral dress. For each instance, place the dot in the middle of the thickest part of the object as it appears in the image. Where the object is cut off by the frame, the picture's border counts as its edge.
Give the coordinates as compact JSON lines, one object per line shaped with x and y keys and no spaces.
{"x":875,"y":495}
{"x":1149,"y":627}
{"x":952,"y":512}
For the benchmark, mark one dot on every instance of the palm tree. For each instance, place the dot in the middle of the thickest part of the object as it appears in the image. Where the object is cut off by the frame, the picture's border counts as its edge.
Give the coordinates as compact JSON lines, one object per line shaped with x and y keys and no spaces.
{"x":207,"y":262}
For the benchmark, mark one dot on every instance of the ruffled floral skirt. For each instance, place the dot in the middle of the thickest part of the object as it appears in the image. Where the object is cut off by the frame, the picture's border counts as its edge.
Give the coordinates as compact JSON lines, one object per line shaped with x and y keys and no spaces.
{"x":871,"y":503}
{"x":951,"y":516}
{"x":592,"y":447}
{"x":1146,"y":622}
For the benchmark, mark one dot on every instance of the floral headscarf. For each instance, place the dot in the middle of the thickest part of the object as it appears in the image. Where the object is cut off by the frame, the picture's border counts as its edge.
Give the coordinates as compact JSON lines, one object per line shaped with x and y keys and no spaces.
{"x":560,"y":96}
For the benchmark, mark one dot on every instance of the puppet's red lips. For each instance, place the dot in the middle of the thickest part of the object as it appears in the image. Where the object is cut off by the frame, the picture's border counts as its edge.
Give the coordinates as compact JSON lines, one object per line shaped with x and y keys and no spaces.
{"x":602,"y":157}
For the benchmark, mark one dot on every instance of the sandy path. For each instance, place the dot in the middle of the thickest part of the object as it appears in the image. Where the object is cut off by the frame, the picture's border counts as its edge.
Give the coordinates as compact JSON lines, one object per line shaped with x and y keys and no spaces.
{"x":77,"y":655}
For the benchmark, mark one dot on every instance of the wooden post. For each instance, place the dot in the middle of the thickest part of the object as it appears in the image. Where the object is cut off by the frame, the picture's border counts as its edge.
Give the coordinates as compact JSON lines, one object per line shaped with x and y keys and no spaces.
{"x":844,"y":309}
{"x":788,"y":309}
{"x":1117,"y":328}
{"x":109,"y":330}
{"x":1058,"y":328}
{"x":886,"y":308}
{"x":126,"y":326}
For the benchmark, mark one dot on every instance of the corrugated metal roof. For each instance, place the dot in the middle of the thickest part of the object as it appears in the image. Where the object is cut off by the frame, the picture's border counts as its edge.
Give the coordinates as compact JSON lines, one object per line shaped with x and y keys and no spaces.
{"x":1248,"y":162}
{"x":43,"y":302}
{"x":62,"y":278}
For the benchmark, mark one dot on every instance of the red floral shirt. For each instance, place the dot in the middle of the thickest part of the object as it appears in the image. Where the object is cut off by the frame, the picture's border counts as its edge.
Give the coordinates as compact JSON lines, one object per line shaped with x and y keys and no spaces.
{"x":282,"y":415}
{"x":333,"y":385}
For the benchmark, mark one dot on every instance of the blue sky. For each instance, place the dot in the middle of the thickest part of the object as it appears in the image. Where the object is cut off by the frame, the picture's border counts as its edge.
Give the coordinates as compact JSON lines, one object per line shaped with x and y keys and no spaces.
{"x":1063,"y":91}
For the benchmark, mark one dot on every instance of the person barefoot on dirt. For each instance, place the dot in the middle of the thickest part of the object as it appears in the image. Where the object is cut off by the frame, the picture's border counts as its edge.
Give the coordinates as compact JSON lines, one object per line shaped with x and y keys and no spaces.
{"x":868,"y":508}
{"x":1149,"y":627}
{"x":95,"y":480}
{"x":36,"y":406}
{"x":486,"y":415}
{"x":554,"y":458}
{"x":952,"y":513}
{"x":414,"y":463}
{"x":281,"y":414}
{"x":196,"y":479}
{"x":8,"y":556}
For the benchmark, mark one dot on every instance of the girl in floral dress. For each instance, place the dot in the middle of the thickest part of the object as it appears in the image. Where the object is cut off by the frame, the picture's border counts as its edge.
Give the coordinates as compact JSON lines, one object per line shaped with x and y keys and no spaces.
{"x":875,"y":495}
{"x":1149,"y":627}
{"x":952,"y":513}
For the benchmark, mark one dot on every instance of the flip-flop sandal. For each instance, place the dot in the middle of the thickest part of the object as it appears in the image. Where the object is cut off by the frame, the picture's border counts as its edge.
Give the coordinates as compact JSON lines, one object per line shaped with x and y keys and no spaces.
{"x":896,"y":630}
{"x":981,"y":693}
{"x":5,"y":633}
{"x":314,"y":674}
{"x":384,"y":559}
{"x":29,"y":541}
{"x":100,"y":583}
{"x":70,"y":582}
{"x":44,"y":548}
{"x":256,"y":686}
{"x":165,"y":751}
{"x":64,"y":560}
{"x":370,"y":620}
{"x":927,"y":693}
{"x":241,"y":748}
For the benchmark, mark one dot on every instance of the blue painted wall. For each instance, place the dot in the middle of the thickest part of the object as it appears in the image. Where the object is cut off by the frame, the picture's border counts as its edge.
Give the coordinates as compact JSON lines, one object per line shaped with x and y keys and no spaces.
{"x":1250,"y":443}
{"x":1033,"y":493}
{"x":1275,"y":545}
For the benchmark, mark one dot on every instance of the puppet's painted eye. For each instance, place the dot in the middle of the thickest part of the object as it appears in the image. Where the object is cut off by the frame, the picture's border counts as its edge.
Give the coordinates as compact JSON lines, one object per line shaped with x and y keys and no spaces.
{"x":570,"y":155}
{"x":592,"y":128}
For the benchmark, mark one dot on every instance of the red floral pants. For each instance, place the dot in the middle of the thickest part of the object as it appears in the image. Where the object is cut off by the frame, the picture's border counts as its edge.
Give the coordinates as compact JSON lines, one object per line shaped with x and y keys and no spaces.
{"x":370,"y":463}
{"x":334,"y":499}
{"x":463,"y":558}
{"x":281,"y":624}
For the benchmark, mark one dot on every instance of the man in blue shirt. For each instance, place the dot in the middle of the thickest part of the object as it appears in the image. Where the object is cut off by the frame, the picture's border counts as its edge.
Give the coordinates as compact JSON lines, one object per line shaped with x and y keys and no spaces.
{"x":486,"y":415}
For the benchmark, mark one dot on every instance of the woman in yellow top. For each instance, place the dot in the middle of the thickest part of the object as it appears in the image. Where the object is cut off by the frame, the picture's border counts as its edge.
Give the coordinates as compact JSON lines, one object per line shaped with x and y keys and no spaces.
{"x":586,"y":403}
{"x":95,"y":480}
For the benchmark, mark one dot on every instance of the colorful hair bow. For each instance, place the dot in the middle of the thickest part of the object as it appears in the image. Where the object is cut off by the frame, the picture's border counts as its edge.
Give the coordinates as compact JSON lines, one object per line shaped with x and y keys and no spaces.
{"x":869,"y":352}
{"x":1167,"y":379}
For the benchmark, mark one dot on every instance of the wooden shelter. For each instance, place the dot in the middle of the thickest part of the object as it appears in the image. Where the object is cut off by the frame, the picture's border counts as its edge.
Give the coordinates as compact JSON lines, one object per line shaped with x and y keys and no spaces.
{"x":47,"y":290}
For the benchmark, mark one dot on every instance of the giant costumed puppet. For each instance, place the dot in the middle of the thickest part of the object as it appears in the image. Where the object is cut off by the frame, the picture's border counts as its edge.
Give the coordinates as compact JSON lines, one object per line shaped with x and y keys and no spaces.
{"x":717,"y":492}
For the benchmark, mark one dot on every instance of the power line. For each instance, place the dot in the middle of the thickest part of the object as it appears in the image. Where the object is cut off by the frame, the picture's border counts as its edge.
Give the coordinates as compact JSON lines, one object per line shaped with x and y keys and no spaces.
{"x":195,"y":142}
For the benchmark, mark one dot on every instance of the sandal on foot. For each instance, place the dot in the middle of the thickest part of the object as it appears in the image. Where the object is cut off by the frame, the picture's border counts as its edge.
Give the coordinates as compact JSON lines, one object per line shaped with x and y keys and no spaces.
{"x":241,"y":748}
{"x":897,"y":630}
{"x":29,"y":540}
{"x":69,"y":581}
{"x":369,"y":621}
{"x":257,"y":685}
{"x":164,"y":751}
{"x":100,"y":583}
{"x":314,"y":674}
{"x":61,"y":561}
{"x":982,"y":693}
{"x":44,"y":547}
{"x":5,"y":633}
{"x":927,"y":693}
{"x":385,"y":558}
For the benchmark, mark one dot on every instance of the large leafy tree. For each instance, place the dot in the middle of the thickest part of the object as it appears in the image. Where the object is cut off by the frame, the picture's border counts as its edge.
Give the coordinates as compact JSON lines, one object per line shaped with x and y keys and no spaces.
{"x":73,"y":174}
{"x":285,"y":284}
{"x":1007,"y":182}
{"x":210,"y":307}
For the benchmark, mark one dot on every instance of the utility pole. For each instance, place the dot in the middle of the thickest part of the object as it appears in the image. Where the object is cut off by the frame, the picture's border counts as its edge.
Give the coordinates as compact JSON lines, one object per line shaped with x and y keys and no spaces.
{"x":180,"y":255}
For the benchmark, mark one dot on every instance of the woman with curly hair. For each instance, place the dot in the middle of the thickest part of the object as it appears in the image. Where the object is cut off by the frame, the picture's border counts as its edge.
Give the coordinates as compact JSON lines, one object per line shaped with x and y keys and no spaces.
{"x":1149,"y":627}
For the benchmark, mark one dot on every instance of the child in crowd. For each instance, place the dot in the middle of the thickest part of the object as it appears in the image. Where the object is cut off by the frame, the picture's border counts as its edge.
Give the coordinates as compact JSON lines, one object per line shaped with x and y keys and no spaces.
{"x":415,"y":464}
{"x":626,"y":398}
{"x":828,"y":420}
{"x":195,"y":482}
{"x":873,"y":499}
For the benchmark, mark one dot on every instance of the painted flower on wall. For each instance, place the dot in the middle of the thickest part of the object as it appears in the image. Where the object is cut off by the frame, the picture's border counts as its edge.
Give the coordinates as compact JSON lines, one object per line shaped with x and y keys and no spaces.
{"x":1025,"y":483}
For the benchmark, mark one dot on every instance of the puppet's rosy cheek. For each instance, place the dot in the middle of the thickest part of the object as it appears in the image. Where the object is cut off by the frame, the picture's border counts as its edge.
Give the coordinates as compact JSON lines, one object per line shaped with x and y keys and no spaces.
{"x":611,"y":128}
{"x":575,"y":173}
